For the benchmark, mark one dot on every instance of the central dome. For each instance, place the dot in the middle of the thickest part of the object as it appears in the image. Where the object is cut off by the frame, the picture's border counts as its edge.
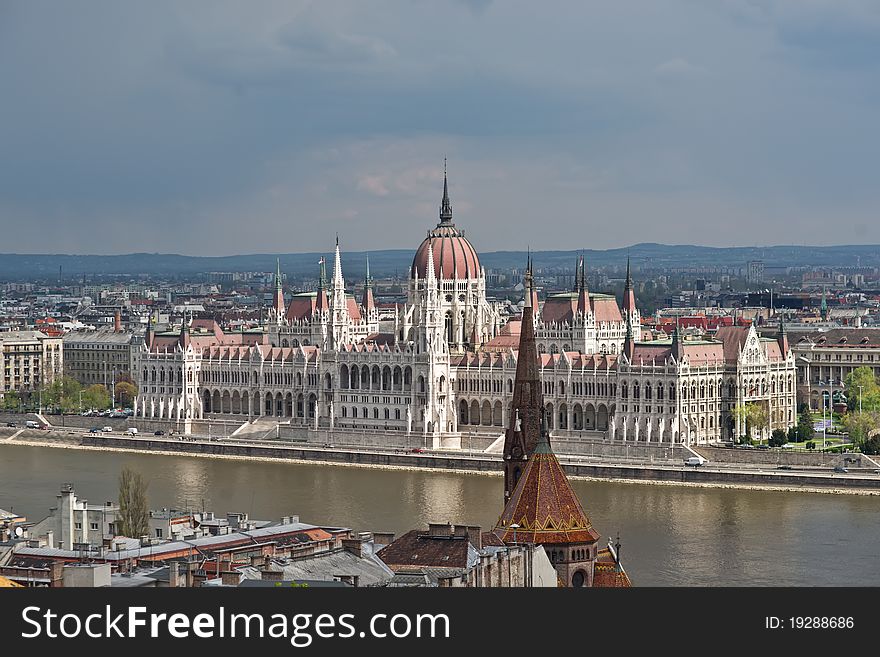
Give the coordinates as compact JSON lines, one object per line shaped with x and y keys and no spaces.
{"x":453,"y":254}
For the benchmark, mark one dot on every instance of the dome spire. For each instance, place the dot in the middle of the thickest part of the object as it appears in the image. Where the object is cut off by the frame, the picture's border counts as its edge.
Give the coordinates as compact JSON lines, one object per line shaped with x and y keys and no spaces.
{"x":445,"y":205}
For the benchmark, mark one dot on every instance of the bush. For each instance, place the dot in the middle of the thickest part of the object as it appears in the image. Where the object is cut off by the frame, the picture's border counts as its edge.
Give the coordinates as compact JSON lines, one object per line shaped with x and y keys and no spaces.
{"x":778,"y":438}
{"x":810,"y":445}
{"x":871,"y":446}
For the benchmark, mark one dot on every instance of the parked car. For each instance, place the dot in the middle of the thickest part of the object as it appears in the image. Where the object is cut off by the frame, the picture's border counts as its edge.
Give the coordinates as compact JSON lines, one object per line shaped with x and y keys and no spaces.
{"x":783,"y":467}
{"x":107,"y":429}
{"x":10,"y":424}
{"x":159,"y":432}
{"x":417,"y":450}
{"x":329,"y":446}
{"x":31,"y":424}
{"x":695,"y":461}
{"x":94,"y":430}
{"x":840,"y":468}
{"x":131,"y":431}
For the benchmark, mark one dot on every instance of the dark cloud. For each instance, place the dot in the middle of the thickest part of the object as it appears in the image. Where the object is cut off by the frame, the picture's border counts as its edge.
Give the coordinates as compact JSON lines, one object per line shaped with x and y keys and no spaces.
{"x":220,"y":127}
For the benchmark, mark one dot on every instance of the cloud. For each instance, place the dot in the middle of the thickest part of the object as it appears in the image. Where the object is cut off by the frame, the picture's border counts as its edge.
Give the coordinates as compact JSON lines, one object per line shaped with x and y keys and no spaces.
{"x":215,"y":127}
{"x":374,"y":185}
{"x":679,"y":68}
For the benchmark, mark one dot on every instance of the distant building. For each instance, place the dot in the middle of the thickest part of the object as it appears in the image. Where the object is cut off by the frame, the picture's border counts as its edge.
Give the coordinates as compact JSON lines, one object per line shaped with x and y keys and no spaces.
{"x":29,"y":359}
{"x":827,"y":356}
{"x":92,"y":357}
{"x":755,"y":271}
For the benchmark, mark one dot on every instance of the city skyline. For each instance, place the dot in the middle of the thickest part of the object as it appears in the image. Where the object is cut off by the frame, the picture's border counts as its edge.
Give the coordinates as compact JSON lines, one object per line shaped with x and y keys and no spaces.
{"x":230,"y":130}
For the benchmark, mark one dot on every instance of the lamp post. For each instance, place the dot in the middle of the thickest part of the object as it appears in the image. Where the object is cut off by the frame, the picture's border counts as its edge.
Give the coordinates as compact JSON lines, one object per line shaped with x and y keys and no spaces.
{"x":825,"y":396}
{"x":860,"y":400}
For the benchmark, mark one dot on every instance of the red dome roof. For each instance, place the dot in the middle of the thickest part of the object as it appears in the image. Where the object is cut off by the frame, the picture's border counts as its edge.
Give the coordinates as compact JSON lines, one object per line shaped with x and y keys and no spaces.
{"x":452,"y":252}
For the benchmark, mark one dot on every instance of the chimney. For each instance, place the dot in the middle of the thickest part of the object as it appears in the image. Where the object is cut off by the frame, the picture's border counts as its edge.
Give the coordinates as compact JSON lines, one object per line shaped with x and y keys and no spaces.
{"x":174,"y":574}
{"x":117,"y":322}
{"x":230,"y":578}
{"x":439,"y":529}
{"x":475,"y":535}
{"x":383,"y":538}
{"x":353,"y":545}
{"x":271,"y":575}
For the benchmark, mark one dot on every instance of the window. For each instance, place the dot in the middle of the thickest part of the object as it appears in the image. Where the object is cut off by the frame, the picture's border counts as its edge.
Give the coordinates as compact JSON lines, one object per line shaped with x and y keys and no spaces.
{"x":79,"y":525}
{"x":158,"y":532}
{"x":94,"y":526}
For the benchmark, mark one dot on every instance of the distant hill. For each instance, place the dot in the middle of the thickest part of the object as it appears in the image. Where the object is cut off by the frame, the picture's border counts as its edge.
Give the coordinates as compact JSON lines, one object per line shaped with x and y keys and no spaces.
{"x":398,"y":261}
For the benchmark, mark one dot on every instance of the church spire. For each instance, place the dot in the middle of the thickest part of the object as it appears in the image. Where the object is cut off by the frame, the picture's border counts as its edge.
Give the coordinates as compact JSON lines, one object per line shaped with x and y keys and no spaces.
{"x":445,"y":205}
{"x":522,"y":434}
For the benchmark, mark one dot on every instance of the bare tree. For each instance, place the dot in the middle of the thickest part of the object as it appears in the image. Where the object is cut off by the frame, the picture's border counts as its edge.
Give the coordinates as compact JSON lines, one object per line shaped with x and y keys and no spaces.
{"x":134,"y":517}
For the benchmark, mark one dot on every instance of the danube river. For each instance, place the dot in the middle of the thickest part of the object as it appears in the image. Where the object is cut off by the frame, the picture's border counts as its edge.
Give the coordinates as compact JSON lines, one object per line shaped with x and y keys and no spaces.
{"x":671,"y":535}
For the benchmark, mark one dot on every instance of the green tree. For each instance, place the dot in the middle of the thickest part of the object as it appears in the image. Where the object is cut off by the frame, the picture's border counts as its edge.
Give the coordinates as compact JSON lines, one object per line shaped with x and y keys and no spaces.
{"x":125,"y":393}
{"x":778,"y":438}
{"x":134,"y":518}
{"x":11,"y":401}
{"x":753,"y":415}
{"x":96,"y":396}
{"x":860,"y":426}
{"x":804,"y":429}
{"x":862,"y":377}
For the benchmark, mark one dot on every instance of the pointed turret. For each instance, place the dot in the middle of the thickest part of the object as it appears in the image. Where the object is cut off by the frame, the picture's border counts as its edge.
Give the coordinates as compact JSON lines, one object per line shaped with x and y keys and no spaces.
{"x":677,"y":347}
{"x":430,"y":274}
{"x":583,"y":306}
{"x":184,"y":332}
{"x":445,"y":205}
{"x":368,"y":303}
{"x":629,"y":297}
{"x":629,"y":345}
{"x":338,"y":280}
{"x":278,"y":297}
{"x":151,"y":333}
{"x":521,"y":436}
{"x":321,"y":303}
{"x":782,"y":338}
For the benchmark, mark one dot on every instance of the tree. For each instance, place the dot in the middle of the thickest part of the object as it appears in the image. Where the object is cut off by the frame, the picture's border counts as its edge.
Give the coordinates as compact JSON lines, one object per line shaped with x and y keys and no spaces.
{"x":859,"y":426}
{"x":125,"y":393}
{"x":134,"y":518}
{"x":862,"y":377}
{"x":11,"y":401}
{"x":804,"y":429}
{"x":778,"y":438}
{"x":753,"y":415}
{"x":96,"y":396}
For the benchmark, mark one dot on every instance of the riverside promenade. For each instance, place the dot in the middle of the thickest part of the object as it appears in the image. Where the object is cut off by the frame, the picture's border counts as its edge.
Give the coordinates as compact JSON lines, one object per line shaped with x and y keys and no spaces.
{"x":604,"y":463}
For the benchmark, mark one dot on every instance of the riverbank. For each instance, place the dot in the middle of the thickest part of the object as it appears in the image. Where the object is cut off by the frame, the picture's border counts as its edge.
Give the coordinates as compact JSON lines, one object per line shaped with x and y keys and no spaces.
{"x":647,"y":473}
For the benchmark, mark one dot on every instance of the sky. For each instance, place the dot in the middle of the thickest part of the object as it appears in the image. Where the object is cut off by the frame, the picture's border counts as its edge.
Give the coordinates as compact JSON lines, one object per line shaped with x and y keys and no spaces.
{"x":217,"y":128}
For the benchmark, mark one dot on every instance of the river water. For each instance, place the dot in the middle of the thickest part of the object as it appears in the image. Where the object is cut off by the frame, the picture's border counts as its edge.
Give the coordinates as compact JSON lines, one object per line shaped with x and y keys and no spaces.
{"x":670,"y":535}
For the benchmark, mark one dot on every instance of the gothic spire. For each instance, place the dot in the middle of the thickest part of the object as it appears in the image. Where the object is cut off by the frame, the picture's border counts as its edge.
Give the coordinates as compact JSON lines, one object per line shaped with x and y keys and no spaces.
{"x":522,"y":435}
{"x":445,"y":205}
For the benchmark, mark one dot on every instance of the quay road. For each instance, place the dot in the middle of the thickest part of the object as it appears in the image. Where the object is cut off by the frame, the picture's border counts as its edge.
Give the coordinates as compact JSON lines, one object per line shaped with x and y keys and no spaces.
{"x":733,"y":474}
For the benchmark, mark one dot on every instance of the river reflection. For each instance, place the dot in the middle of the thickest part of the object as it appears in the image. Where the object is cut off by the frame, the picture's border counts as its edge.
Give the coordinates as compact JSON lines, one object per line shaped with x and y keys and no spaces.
{"x":671,"y":536}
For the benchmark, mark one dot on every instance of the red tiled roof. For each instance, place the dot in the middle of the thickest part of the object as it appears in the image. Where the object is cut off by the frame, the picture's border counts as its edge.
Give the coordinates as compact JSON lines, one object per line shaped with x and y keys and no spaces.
{"x":606,"y":310}
{"x":544,"y":506}
{"x":417,"y":549}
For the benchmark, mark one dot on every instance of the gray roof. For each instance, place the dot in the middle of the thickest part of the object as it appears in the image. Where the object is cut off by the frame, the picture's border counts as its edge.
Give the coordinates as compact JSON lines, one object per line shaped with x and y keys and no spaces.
{"x":99,"y":336}
{"x":369,"y":569}
{"x":209,"y":543}
{"x":260,"y":583}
